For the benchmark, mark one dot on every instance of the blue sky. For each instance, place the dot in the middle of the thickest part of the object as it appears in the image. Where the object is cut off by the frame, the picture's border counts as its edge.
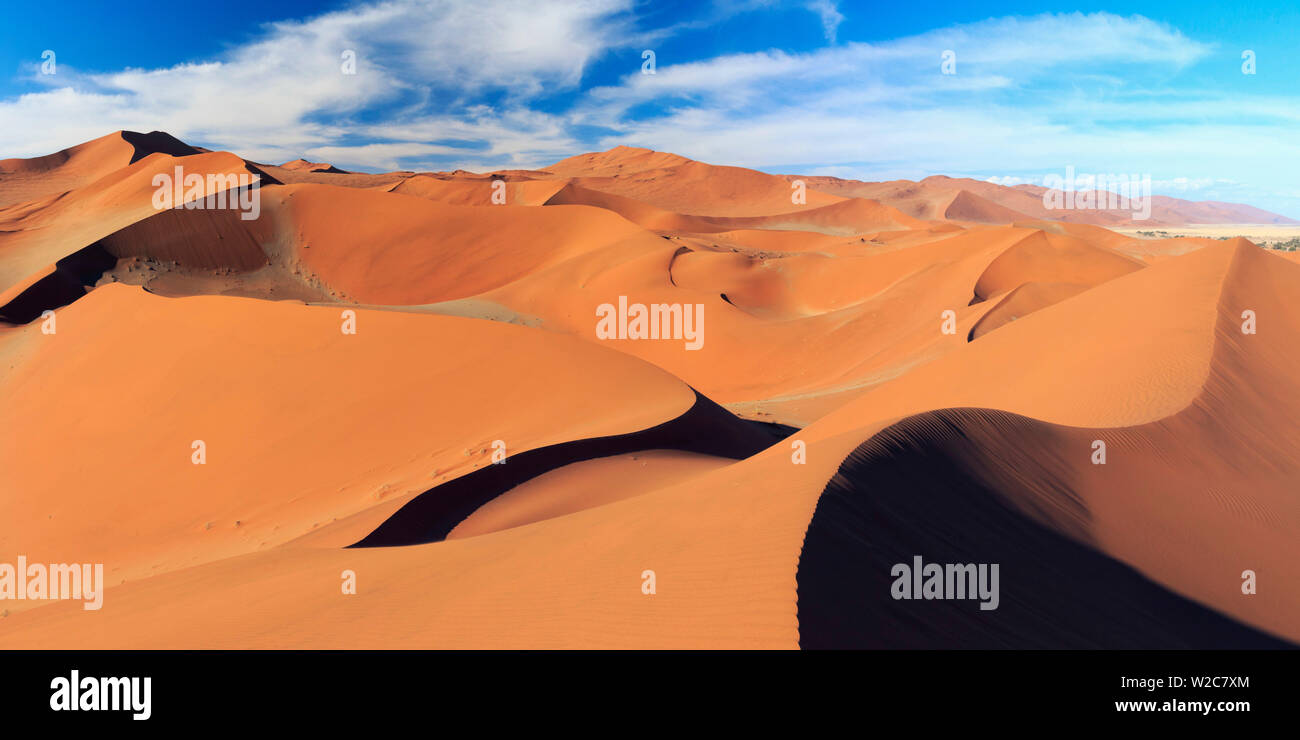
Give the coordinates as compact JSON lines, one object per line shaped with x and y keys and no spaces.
{"x":853,"y":89}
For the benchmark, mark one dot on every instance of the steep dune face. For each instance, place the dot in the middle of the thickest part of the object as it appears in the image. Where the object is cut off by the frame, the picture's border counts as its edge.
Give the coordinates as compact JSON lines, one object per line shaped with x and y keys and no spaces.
{"x":705,"y":429}
{"x":1022,"y":301}
{"x":1230,"y":471}
{"x":765,"y":310}
{"x":1045,"y":257}
{"x":138,"y":379}
{"x":642,"y":214}
{"x":966,"y":206}
{"x":986,"y":490}
{"x":30,"y":179}
{"x":807,"y":321}
{"x":585,"y":485}
{"x":302,"y":165}
{"x":331,"y":176}
{"x":424,"y":252}
{"x":479,"y":190}
{"x":726,"y":544}
{"x":981,"y":476}
{"x":844,"y":218}
{"x":952,"y":359}
{"x":1155,"y":362}
{"x":23,"y":180}
{"x":695,"y":188}
{"x":34,"y":235}
{"x":204,"y":239}
{"x":621,"y":160}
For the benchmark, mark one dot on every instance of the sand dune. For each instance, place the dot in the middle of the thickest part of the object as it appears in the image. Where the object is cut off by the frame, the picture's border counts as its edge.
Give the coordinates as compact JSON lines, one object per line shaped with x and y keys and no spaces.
{"x":1045,"y":257}
{"x":884,"y":371}
{"x":925,"y":486}
{"x":685,"y":186}
{"x":37,"y":234}
{"x":23,"y":180}
{"x":425,"y":252}
{"x":966,"y":206}
{"x":1023,"y":300}
{"x":415,"y":390}
{"x":302,"y":165}
{"x":964,"y":199}
{"x":1219,"y":513}
{"x":844,"y":218}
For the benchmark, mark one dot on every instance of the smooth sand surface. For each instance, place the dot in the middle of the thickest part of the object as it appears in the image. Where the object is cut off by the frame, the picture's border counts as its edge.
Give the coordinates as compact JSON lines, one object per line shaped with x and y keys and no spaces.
{"x":943,"y":339}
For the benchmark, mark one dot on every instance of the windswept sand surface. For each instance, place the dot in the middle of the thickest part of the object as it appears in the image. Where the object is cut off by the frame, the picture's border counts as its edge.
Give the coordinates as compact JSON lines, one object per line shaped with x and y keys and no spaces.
{"x":403,"y":381}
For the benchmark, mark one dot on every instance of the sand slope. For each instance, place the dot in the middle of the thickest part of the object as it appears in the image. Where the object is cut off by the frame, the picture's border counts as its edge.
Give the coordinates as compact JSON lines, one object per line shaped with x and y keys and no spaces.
{"x":139,"y":378}
{"x":943,"y":357}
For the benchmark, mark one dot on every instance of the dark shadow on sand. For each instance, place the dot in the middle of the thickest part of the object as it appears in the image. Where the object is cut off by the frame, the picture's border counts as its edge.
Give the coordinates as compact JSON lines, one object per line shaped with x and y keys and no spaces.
{"x":706,"y":428}
{"x":917,"y":488}
{"x":71,"y":277}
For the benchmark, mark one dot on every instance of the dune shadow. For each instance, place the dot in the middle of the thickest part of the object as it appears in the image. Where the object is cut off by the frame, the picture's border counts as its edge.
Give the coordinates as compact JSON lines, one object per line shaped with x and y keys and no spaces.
{"x":706,"y":428}
{"x":921,"y":487}
{"x":155,"y":142}
{"x":69,"y":280}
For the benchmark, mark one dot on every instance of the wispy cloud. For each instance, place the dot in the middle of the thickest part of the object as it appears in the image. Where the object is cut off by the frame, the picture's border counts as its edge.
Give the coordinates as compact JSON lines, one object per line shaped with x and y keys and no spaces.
{"x":829,"y":12}
{"x":286,"y":92}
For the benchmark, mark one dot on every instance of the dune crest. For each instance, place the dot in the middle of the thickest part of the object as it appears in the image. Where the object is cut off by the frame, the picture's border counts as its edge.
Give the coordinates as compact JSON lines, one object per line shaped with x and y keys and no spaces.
{"x":411,"y":377}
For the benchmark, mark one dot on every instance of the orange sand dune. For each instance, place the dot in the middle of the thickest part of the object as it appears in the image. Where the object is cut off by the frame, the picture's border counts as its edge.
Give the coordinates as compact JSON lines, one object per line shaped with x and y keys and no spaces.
{"x":845,"y":218}
{"x":763,"y":242}
{"x":642,"y":214}
{"x":1155,"y":250}
{"x":681,"y":185}
{"x":950,"y":350}
{"x":423,"y":252}
{"x":139,"y":378}
{"x":302,"y":165}
{"x":933,"y":197}
{"x":1218,"y":514}
{"x":32,"y":238}
{"x":1045,"y":257}
{"x":329,"y":175}
{"x":987,"y":202}
{"x":725,"y":562}
{"x":621,"y":160}
{"x":833,"y":345}
{"x":478,"y":191}
{"x":24,"y":180}
{"x":766,"y":310}
{"x":585,"y":485}
{"x":1022,"y":301}
{"x":966,"y":206}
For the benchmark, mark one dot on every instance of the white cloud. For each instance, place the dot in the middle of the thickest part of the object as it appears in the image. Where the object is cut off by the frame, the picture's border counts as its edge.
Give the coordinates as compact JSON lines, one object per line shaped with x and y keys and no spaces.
{"x":1031,"y":95}
{"x":1048,"y":47}
{"x":268,"y":97}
